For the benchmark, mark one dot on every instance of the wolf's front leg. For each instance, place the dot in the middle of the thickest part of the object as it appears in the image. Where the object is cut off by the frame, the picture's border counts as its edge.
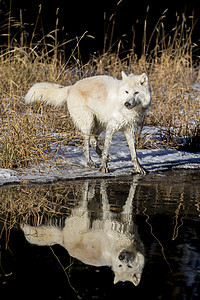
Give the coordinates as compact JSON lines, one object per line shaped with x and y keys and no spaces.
{"x":105,"y":202}
{"x":108,"y":139}
{"x":127,"y":212}
{"x":130,"y":136}
{"x":86,"y":151}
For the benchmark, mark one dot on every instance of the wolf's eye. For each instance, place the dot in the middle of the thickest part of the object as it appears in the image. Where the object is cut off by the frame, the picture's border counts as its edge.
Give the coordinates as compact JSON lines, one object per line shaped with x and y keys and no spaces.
{"x":126,"y":92}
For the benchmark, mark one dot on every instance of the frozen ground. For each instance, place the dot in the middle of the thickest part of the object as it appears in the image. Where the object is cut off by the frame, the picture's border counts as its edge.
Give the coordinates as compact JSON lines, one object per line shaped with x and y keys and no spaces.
{"x":75,"y":168}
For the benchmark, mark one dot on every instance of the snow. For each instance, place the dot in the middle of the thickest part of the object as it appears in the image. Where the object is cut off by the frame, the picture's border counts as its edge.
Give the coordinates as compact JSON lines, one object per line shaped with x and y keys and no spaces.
{"x":73,"y":165}
{"x":196,"y":87}
{"x":8,"y":176}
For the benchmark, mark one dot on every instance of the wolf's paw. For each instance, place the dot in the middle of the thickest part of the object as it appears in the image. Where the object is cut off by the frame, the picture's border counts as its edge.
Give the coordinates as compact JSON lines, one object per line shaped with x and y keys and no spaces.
{"x":103,"y":169}
{"x":110,"y":158}
{"x":92,"y":165}
{"x":140,"y":170}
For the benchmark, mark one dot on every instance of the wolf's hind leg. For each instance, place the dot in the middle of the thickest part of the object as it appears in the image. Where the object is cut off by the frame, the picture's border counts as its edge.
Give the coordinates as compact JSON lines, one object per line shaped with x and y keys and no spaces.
{"x":85,"y":125}
{"x":86,"y":151}
{"x":108,"y":140}
{"x":95,"y":146}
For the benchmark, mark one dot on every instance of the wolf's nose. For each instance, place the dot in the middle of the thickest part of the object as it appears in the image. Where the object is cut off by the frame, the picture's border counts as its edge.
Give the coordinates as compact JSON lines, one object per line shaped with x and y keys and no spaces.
{"x":131,"y":104}
{"x":127,"y":104}
{"x":124,"y":255}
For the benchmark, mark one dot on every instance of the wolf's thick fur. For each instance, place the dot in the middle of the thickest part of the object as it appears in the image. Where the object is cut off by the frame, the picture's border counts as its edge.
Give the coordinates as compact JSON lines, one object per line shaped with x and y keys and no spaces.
{"x":97,"y":242}
{"x":101,"y":103}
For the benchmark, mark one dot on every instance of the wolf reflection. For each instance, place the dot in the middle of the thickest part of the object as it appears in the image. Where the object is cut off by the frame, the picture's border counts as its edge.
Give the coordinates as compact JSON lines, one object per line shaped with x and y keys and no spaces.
{"x":104,"y":241}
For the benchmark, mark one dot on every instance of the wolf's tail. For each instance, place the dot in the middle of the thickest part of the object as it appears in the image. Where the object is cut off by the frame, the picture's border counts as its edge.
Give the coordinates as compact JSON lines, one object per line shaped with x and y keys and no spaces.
{"x":50,"y":93}
{"x":42,"y":235}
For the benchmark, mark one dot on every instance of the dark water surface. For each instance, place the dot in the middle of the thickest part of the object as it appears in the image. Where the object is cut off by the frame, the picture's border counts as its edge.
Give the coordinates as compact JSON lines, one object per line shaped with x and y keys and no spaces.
{"x":159,"y":214}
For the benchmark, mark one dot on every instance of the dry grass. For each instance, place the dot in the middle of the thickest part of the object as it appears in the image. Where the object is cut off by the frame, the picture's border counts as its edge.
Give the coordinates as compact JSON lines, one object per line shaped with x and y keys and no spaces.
{"x":26,"y":133}
{"x":37,"y":205}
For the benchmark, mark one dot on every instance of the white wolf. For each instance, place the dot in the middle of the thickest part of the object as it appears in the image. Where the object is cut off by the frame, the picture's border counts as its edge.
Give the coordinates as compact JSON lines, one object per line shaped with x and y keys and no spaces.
{"x":101,"y":103}
{"x":98,"y":242}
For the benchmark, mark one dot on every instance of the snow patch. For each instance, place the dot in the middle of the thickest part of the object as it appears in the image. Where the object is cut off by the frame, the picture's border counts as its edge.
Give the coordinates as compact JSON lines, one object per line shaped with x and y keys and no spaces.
{"x":8,"y":176}
{"x":74,"y":165}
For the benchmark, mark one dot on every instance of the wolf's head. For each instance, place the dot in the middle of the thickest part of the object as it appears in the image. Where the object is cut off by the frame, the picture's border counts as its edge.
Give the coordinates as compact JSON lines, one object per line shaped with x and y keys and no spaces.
{"x":135,"y":91}
{"x":128,"y":266}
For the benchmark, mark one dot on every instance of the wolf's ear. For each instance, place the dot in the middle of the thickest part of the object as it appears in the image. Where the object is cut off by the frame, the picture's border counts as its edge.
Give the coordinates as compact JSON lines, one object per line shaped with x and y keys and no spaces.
{"x":136,"y":279}
{"x":124,"y":76}
{"x":116,"y":279}
{"x":144,"y":79}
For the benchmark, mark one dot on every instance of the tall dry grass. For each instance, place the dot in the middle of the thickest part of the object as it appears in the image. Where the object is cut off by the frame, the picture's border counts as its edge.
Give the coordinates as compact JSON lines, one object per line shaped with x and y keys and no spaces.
{"x":27,"y":133}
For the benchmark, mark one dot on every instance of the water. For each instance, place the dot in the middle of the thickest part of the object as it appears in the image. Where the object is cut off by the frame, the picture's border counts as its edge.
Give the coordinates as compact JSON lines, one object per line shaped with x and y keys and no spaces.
{"x":121,"y":222}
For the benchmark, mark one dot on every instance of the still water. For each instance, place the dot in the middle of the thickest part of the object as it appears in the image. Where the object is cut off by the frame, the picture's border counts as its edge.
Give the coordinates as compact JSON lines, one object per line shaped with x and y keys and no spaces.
{"x":131,"y":238}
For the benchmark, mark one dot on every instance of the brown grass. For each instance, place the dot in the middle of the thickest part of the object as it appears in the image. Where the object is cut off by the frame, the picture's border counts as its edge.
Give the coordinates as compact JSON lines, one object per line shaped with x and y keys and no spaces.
{"x":36,"y":205}
{"x":27,"y":133}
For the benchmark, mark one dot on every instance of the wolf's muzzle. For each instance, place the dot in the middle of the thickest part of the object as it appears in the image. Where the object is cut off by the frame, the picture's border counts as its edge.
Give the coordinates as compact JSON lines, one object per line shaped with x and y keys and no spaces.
{"x":131,"y":103}
{"x":126,"y":256}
